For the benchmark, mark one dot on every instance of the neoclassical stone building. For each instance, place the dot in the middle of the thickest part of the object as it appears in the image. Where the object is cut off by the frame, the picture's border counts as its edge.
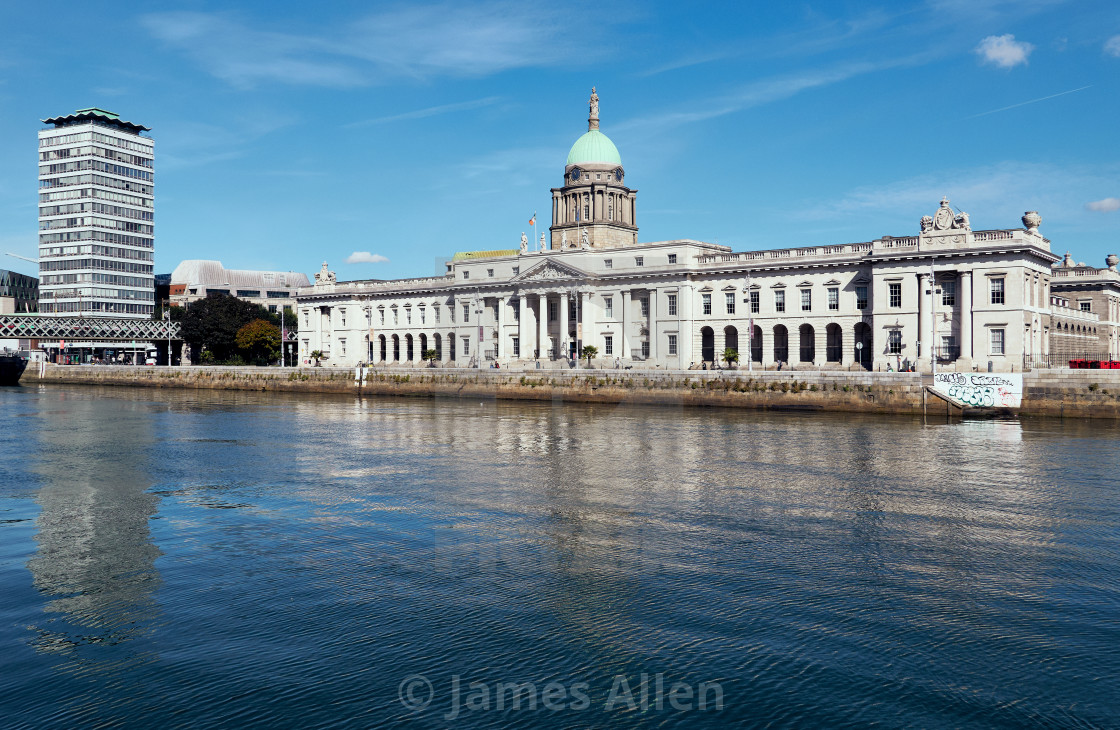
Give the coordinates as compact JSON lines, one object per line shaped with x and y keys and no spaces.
{"x":964,"y":297}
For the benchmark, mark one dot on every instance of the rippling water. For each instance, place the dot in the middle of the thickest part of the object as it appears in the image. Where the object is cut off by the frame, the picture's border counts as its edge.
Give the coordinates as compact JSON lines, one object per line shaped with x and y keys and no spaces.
{"x":214,"y":559}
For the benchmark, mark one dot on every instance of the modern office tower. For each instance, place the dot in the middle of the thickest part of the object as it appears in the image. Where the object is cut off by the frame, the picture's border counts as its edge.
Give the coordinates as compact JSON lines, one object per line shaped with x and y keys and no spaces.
{"x":95,"y":216}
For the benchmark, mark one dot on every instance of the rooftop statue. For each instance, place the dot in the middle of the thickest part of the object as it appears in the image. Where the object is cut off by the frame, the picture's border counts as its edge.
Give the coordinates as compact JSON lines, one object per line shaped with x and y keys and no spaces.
{"x":542,"y":242}
{"x":323,"y":276}
{"x":524,"y":243}
{"x":584,"y":243}
{"x":593,"y":116}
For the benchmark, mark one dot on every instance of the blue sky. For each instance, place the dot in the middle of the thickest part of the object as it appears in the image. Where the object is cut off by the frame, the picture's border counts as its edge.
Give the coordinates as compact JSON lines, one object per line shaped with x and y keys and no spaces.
{"x":288,"y":133}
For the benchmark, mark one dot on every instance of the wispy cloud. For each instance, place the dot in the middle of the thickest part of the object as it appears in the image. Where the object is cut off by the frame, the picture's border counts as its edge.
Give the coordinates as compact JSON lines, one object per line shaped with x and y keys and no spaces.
{"x":1032,"y":101}
{"x":1112,"y":46}
{"x":763,"y":92}
{"x":1108,"y":205}
{"x":419,"y":41}
{"x":1004,"y":51}
{"x":427,"y":112}
{"x":994,"y":194}
{"x":365,"y":257}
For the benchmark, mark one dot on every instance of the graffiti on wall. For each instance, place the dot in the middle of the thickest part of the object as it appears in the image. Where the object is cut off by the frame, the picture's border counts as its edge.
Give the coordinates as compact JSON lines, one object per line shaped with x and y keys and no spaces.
{"x":981,"y":390}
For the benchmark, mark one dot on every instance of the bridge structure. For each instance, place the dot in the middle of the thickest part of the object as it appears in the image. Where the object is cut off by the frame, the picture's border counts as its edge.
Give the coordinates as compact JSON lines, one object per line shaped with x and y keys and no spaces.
{"x":84,"y":330}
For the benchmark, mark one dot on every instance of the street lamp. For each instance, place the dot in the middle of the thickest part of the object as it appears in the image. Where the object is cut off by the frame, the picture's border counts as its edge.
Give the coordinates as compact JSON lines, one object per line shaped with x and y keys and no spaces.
{"x":750,"y":323}
{"x":932,"y":320}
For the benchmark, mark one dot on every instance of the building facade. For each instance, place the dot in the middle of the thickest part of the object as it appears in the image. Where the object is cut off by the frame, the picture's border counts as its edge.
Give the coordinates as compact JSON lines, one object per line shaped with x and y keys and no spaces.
{"x":967,"y":299}
{"x":197,"y":279}
{"x":1085,"y":321}
{"x":96,"y":210}
{"x":19,"y":293}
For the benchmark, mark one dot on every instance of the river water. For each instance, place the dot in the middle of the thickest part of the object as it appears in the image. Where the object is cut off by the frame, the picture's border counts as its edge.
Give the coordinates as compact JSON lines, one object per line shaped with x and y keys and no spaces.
{"x":226,"y":559}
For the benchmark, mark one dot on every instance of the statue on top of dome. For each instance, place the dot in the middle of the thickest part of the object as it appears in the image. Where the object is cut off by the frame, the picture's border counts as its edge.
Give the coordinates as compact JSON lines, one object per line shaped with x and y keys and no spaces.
{"x":593,"y":117}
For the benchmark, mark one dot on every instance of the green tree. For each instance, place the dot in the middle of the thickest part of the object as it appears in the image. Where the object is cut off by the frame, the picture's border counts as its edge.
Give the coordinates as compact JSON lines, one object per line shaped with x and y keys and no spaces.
{"x":731,"y":355}
{"x":316,"y":355}
{"x":429,"y":355}
{"x":213,"y":323}
{"x":259,"y":342}
{"x":590,"y":351}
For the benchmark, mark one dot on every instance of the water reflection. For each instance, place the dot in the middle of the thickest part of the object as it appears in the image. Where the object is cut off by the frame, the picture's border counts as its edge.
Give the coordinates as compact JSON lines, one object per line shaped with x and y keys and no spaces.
{"x":829,"y":570}
{"x":95,"y":557}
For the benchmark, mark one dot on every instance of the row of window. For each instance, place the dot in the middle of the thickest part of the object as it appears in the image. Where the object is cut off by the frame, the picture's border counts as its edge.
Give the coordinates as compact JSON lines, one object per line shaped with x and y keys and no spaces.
{"x":102,"y":264}
{"x":65,"y":153}
{"x":56,"y":279}
{"x":90,"y":179}
{"x":94,"y":235}
{"x":607,"y":263}
{"x":86,"y":305}
{"x":80,"y":221}
{"x":54,"y":141}
{"x":120,"y":253}
{"x":117,"y":210}
{"x":82,"y":193}
{"x":64,"y":167}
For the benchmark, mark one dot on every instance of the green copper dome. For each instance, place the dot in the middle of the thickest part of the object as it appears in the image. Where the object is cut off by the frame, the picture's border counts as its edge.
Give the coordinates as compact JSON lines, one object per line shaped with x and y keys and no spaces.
{"x":594,"y":147}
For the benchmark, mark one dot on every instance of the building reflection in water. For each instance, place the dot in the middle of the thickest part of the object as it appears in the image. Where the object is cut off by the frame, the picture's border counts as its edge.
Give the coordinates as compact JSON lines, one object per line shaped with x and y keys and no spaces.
{"x":94,"y":561}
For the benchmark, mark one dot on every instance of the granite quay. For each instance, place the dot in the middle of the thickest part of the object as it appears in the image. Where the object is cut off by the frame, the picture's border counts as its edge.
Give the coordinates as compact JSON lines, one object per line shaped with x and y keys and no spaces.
{"x":1067,"y":394}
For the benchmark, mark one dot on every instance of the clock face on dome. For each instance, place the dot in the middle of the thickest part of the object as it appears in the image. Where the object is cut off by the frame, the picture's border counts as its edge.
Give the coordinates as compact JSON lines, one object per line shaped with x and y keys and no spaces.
{"x":618,"y":174}
{"x":574,"y":174}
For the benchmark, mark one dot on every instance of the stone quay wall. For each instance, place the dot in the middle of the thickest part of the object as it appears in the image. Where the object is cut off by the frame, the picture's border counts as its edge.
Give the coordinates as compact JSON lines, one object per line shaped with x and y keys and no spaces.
{"x":1061,"y":393}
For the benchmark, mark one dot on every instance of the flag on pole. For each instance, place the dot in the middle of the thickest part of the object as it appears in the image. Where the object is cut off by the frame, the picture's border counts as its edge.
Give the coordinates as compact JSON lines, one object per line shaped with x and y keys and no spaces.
{"x":533,"y":220}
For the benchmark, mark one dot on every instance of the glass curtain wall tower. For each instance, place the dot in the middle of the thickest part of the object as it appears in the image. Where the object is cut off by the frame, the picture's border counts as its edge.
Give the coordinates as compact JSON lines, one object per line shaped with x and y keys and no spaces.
{"x":96,"y":237}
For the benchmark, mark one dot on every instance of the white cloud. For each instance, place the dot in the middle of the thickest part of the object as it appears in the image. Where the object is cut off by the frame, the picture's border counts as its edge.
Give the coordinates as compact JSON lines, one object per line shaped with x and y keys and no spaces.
{"x":365,"y":257}
{"x":412,"y":41}
{"x":1004,"y":51}
{"x":1108,"y":205}
{"x":423,"y":113}
{"x":1112,"y":46}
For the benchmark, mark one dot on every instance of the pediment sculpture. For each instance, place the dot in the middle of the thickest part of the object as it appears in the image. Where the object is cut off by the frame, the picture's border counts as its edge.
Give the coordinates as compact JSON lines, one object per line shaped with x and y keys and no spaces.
{"x":323,"y":276}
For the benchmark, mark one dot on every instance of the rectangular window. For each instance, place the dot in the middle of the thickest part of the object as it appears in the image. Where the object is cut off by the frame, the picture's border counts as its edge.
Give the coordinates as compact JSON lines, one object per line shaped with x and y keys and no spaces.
{"x":948,"y":293}
{"x":342,"y":346}
{"x":517,"y":347}
{"x":396,"y":318}
{"x":435,"y":311}
{"x":729,"y":300}
{"x":516,"y":311}
{"x":608,"y":307}
{"x":644,"y":301}
{"x":496,"y":312}
{"x":342,"y":314}
{"x":779,"y":301}
{"x":672,"y":344}
{"x":894,"y":295}
{"x":894,"y":342}
{"x":833,"y":298}
{"x":516,"y":270}
{"x":248,"y":292}
{"x":553,"y":310}
{"x":1086,"y":306}
{"x":608,"y":263}
{"x":806,"y":300}
{"x":756,"y":302}
{"x":672,"y":258}
{"x":639,"y":261}
{"x":861,"y":297}
{"x":466,"y":274}
{"x":407,"y":317}
{"x":490,"y":273}
{"x":466,"y":313}
{"x":706,"y":303}
{"x":645,"y":350}
{"x":423,"y":314}
{"x":672,"y":305}
{"x":608,"y":345}
{"x":997,"y":341}
{"x":997,"y":291}
{"x":451,"y":312}
{"x":466,"y":346}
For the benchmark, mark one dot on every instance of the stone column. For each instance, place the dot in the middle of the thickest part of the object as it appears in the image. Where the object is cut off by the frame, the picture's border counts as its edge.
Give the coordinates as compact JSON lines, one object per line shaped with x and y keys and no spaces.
{"x":966,"y":319}
{"x":502,"y":304}
{"x":923,"y":351}
{"x":526,"y":327}
{"x":624,"y":302}
{"x":562,"y":342}
{"x":652,"y":323}
{"x":820,"y":344}
{"x":583,"y":301}
{"x":767,"y":345}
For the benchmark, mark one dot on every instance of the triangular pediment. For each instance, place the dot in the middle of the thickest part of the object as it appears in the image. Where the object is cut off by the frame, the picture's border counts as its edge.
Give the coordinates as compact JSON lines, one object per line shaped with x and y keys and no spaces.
{"x":550,"y":271}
